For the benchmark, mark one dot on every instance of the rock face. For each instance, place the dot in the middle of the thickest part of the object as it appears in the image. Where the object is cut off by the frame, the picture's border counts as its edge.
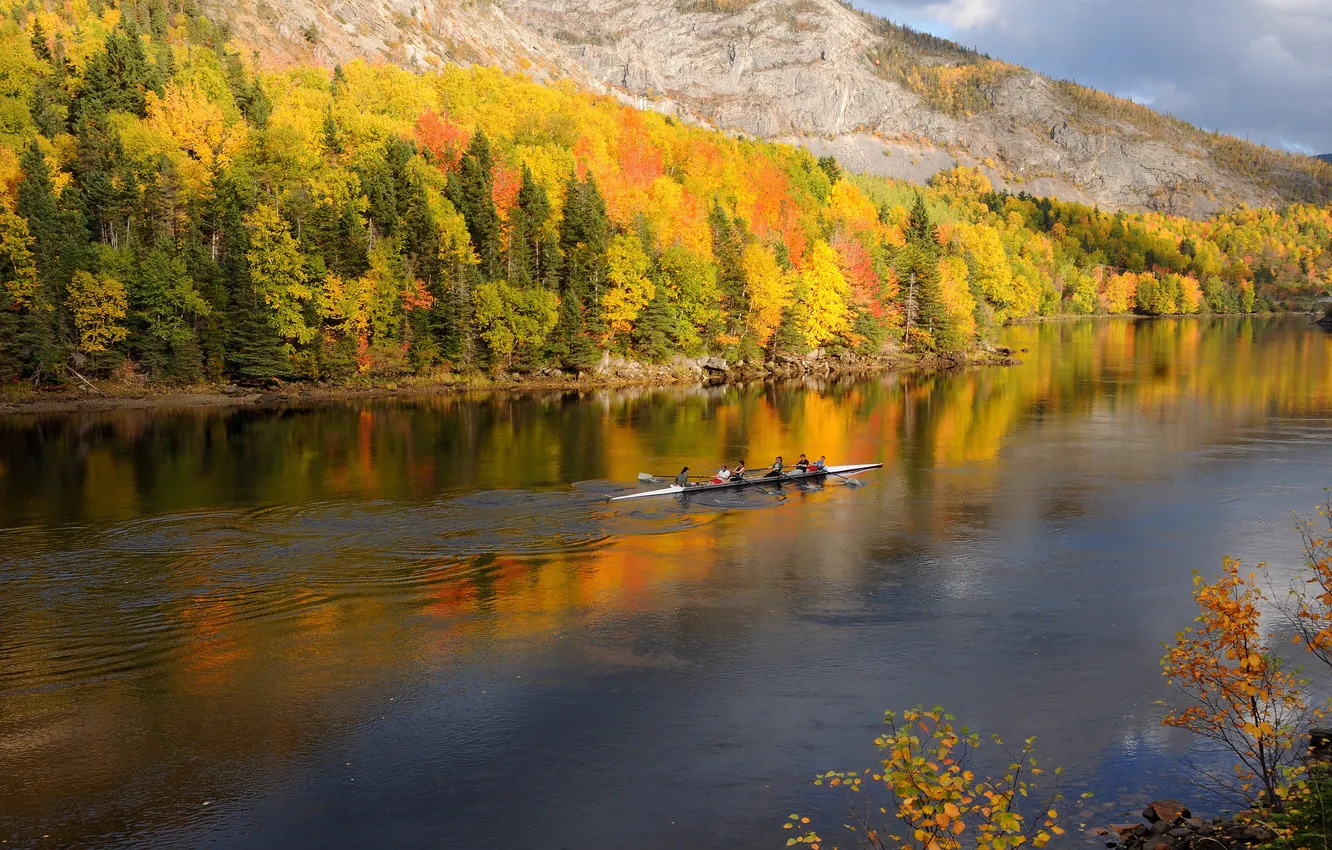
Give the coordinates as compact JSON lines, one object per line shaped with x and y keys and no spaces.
{"x":802,"y":71}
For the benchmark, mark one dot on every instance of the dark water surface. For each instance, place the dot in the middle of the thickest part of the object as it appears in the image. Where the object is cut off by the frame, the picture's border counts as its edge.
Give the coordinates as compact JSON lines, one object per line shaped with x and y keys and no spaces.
{"x":415,"y":623}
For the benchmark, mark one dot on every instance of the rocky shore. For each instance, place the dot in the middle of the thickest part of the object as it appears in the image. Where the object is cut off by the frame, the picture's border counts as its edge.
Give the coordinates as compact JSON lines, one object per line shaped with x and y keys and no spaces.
{"x":1169,"y":825}
{"x":611,"y":372}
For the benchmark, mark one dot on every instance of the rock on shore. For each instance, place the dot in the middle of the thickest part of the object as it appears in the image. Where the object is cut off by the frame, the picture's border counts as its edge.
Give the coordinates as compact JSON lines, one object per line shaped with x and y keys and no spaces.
{"x":1169,"y":825}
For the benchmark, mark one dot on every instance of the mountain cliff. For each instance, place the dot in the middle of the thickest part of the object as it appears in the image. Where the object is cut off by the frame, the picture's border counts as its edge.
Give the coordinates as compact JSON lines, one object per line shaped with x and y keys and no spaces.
{"x":882,"y":99}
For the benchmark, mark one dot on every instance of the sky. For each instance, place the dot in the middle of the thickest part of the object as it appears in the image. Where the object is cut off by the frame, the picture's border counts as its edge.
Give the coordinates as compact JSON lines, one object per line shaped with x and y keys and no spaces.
{"x":1258,"y":69}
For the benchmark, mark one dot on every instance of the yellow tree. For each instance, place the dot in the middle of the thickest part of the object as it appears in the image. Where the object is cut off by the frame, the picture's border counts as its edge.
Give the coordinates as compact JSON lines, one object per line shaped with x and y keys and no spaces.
{"x":19,"y":268}
{"x":990,"y":269}
{"x":278,"y":273}
{"x":962,"y":181}
{"x":958,"y":301}
{"x":768,"y":290}
{"x":630,"y":288}
{"x":186,"y":116}
{"x":1119,"y":292}
{"x":98,"y":304}
{"x":821,"y":295}
{"x":1235,"y":692}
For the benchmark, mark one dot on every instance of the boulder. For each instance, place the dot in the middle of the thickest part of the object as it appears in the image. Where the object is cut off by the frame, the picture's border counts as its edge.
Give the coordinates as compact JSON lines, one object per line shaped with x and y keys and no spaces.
{"x":1161,"y":827}
{"x":1127,"y":831}
{"x":1256,"y":833}
{"x":1170,"y":811}
{"x":715,"y":364}
{"x":1159,"y":842}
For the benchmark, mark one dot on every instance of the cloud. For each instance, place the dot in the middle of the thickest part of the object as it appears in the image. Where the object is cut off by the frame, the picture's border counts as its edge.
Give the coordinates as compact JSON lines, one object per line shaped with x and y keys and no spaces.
{"x":966,"y":14}
{"x":1259,"y":69}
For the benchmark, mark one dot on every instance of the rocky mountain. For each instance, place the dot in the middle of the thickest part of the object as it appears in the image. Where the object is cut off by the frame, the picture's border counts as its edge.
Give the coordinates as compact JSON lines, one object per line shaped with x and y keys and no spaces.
{"x":1325,"y":157}
{"x":881,"y":98}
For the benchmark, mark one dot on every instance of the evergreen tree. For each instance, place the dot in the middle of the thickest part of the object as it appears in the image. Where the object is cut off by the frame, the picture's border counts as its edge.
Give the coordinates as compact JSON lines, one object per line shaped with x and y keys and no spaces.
{"x":331,"y":135}
{"x":584,"y":238}
{"x":471,"y":190}
{"x":119,"y":75}
{"x":532,"y":250}
{"x":252,"y":349}
{"x":917,"y":265}
{"x":728,"y":247}
{"x":40,"y":48}
{"x":41,"y":342}
{"x":786,"y":338}
{"x":655,"y":329}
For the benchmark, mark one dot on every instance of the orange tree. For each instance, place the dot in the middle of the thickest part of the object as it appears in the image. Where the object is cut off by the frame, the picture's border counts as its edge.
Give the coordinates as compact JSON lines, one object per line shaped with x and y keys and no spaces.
{"x":1235,"y":690}
{"x":935,"y":801}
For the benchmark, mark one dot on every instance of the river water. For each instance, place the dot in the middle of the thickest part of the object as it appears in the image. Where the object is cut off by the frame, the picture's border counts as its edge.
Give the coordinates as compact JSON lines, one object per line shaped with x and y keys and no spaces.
{"x":417,"y":623}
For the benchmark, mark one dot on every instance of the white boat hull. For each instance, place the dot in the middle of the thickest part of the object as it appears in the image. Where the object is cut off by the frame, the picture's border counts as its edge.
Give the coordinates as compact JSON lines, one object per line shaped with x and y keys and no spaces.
{"x":759,"y":480}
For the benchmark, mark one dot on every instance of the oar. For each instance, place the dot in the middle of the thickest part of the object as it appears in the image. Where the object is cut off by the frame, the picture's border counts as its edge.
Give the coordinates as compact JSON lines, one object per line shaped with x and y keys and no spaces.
{"x":761,"y":488}
{"x":853,"y":482}
{"x":649,"y":478}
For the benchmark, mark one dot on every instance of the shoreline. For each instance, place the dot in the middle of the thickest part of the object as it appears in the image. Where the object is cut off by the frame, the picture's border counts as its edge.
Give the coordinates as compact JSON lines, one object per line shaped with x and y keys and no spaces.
{"x":612,"y":373}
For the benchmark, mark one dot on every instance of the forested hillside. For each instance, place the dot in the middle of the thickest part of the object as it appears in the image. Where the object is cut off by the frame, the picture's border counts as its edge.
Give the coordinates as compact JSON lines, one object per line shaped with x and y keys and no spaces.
{"x":168,"y":208}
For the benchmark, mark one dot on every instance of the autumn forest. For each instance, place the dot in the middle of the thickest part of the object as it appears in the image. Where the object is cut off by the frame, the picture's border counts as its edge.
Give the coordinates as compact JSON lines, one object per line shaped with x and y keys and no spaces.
{"x":170,"y":207}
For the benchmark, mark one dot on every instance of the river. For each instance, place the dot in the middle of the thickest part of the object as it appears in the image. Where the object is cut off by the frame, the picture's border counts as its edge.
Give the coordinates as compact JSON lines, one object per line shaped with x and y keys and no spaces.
{"x":416,"y":622}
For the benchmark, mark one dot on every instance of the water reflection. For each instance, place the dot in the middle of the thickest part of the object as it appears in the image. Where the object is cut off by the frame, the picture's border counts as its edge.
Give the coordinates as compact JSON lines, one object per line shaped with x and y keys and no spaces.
{"x":397,"y":621}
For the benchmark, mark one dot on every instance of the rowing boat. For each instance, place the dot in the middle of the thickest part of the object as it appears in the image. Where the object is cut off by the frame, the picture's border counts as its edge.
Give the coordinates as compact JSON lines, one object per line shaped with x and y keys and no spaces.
{"x":760,"y":481}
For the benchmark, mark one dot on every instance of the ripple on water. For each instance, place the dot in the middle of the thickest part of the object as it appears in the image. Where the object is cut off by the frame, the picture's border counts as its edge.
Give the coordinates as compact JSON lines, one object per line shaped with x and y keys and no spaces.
{"x":90,"y":603}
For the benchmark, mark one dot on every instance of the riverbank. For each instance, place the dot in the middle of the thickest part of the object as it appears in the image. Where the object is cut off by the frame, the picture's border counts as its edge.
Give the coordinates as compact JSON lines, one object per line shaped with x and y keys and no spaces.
{"x":611,"y":373}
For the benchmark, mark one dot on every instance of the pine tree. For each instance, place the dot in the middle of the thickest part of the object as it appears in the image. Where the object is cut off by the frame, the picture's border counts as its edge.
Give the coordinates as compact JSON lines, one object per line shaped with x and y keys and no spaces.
{"x":530,"y":247}
{"x":40,"y":48}
{"x":331,"y":135}
{"x":119,"y":75}
{"x":656,"y":327}
{"x":40,"y":342}
{"x":584,"y":238}
{"x":917,"y":264}
{"x":471,"y":191}
{"x":728,"y":247}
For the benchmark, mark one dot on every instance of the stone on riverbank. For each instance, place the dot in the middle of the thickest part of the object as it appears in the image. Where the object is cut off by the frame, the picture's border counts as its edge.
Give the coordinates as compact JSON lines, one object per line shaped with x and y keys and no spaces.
{"x":1173,"y":827}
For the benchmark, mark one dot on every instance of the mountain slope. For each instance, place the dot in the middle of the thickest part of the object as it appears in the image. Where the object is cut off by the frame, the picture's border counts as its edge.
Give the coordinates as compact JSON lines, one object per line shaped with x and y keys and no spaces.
{"x":883,"y":99}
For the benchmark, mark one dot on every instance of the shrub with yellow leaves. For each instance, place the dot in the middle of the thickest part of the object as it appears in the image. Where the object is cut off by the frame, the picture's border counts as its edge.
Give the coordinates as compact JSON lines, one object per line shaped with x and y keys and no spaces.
{"x":935,"y":801}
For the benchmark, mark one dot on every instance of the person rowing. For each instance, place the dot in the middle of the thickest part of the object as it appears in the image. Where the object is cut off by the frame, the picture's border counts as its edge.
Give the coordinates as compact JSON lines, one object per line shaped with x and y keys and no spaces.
{"x":723,"y":475}
{"x":821,"y":465}
{"x":682,"y":480}
{"x":738,"y":474}
{"x":802,"y":465}
{"x":776,"y":471}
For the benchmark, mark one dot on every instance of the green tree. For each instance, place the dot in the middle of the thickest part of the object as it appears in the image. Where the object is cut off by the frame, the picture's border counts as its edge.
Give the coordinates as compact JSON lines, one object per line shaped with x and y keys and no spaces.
{"x":511,"y":318}
{"x":584,"y":240}
{"x":533,"y":256}
{"x":471,"y":191}
{"x":168,"y":304}
{"x":917,"y":265}
{"x":119,"y":75}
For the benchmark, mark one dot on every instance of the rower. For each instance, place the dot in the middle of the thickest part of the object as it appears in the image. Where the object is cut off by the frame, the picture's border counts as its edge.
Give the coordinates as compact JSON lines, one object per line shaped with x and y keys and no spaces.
{"x":776,"y":471}
{"x":821,"y":465}
{"x":802,"y":465}
{"x":682,"y":480}
{"x":738,"y":473}
{"x":723,"y":475}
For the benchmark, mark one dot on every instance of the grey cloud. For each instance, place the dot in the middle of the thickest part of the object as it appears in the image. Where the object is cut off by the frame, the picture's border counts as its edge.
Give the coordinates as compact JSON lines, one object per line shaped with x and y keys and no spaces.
{"x":1260,"y":69}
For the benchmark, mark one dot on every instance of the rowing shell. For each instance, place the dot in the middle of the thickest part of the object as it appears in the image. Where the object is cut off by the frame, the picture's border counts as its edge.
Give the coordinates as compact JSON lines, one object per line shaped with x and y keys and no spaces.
{"x":786,"y":478}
